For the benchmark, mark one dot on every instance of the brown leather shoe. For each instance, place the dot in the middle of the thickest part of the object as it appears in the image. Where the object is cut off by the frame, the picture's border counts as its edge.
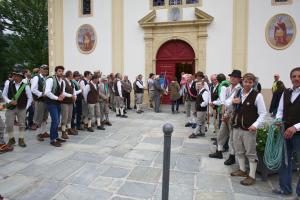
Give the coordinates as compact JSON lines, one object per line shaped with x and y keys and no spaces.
{"x":11,"y":141}
{"x":33,"y":127}
{"x":60,"y":140}
{"x":55,"y":143}
{"x":64,"y":135}
{"x":45,"y":135}
{"x":239,"y":173}
{"x":248,"y":181}
{"x":108,"y":123}
{"x":40,"y":137}
{"x":193,"y":135}
{"x":71,"y":132}
{"x":21,"y":142}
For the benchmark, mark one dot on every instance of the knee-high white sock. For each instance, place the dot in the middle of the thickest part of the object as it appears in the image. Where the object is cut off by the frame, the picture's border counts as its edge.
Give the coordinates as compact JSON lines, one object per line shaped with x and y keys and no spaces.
{"x":242,"y":163}
{"x":253,"y":166}
{"x":63,"y":127}
{"x":117,"y":110}
{"x":43,"y":128}
{"x":137,"y":107}
{"x":21,"y":133}
{"x":220,"y":147}
{"x":89,"y":123}
{"x":122,"y":111}
{"x":98,"y":122}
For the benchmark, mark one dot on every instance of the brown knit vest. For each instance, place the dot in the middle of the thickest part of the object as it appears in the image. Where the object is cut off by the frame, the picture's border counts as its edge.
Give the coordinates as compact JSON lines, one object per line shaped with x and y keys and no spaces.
{"x":68,"y":89}
{"x":93,"y":96}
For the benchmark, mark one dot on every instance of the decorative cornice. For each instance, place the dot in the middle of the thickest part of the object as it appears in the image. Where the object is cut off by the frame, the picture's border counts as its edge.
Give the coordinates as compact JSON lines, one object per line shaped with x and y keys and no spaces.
{"x":203,"y":19}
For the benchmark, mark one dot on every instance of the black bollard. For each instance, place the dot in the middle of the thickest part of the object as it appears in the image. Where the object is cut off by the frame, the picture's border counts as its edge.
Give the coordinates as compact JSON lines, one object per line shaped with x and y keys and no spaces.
{"x":167,"y":129}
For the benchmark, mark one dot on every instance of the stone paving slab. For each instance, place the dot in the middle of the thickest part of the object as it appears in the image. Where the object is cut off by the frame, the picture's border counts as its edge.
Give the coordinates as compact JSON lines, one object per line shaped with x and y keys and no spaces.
{"x":124,"y":162}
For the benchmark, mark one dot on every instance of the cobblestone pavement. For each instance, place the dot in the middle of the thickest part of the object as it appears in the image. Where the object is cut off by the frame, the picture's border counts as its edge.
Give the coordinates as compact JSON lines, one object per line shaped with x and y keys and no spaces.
{"x":124,"y":162}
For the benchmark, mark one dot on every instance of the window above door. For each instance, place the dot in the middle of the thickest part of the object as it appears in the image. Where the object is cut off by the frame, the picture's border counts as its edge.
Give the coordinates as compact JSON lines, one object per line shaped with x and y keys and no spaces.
{"x":165,"y":4}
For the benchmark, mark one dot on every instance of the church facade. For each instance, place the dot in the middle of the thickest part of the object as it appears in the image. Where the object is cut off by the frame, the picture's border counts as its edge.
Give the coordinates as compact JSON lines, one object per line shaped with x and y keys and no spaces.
{"x":173,"y":36}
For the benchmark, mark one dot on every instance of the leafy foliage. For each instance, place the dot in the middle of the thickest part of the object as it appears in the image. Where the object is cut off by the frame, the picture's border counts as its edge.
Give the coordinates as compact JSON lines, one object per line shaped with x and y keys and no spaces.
{"x":26,"y":26}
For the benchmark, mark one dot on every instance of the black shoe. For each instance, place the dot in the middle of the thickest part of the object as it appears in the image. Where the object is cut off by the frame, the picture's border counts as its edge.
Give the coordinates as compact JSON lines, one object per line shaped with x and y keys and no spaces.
{"x":194,"y":125}
{"x":129,"y":108}
{"x":60,"y":140}
{"x":139,"y":112}
{"x":118,"y":115}
{"x":90,"y":129}
{"x":218,"y":155}
{"x":193,"y":135}
{"x":201,"y":134}
{"x":134,"y":107}
{"x":213,"y":139}
{"x":188,"y":124}
{"x":100,"y":128}
{"x":230,"y":160}
{"x":142,"y":111}
{"x":124,"y":116}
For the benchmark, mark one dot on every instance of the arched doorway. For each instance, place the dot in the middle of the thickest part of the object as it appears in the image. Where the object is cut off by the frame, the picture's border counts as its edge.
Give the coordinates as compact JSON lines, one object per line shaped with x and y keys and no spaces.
{"x":172,"y":58}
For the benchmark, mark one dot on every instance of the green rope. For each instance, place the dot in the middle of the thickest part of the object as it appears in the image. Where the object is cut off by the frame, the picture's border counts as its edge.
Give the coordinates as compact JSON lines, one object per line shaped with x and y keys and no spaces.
{"x":274,"y":146}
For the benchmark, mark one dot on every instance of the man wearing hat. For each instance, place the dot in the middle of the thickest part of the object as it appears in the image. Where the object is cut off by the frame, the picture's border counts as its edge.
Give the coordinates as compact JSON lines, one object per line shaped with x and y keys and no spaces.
{"x":226,"y":113}
{"x":104,"y":100}
{"x":18,"y":98}
{"x":41,"y":111}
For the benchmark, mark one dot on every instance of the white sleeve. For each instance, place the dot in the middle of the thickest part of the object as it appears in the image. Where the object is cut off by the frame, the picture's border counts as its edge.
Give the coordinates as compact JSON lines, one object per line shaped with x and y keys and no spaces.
{"x":119,"y":85}
{"x":76,"y":92}
{"x":82,"y":85}
{"x":86,"y":90}
{"x":279,"y":114}
{"x":205,"y":97}
{"x":228,"y":101}
{"x":48,"y":89}
{"x":34,"y":86}
{"x":139,"y":85}
{"x":5,"y":93}
{"x":29,"y":96}
{"x":223,"y":94}
{"x":261,"y":110}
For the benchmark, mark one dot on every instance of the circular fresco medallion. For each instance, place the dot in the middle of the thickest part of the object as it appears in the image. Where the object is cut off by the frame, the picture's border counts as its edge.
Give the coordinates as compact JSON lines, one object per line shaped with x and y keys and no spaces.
{"x":86,"y":39}
{"x":280,"y":31}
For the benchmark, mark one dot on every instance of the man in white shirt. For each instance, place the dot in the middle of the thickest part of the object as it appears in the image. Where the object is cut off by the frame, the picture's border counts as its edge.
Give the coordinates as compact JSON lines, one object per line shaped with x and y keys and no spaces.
{"x":249,"y":113}
{"x":18,"y":97}
{"x":288,"y":112}
{"x":119,"y":99}
{"x":41,"y":112}
{"x":139,"y":94}
{"x":85,"y":111}
{"x":53,"y":98}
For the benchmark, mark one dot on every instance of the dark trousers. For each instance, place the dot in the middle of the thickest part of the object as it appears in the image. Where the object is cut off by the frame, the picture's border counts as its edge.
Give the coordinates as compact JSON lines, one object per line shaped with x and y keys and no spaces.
{"x":176,"y":102}
{"x":54,"y":111}
{"x":156,"y":99}
{"x":286,"y":172}
{"x":127,"y":99}
{"x":77,"y":113}
{"x":30,"y":113}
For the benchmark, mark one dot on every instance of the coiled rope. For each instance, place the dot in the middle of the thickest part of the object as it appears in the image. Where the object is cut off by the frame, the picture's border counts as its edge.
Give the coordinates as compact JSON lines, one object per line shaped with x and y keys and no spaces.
{"x":275,"y":145}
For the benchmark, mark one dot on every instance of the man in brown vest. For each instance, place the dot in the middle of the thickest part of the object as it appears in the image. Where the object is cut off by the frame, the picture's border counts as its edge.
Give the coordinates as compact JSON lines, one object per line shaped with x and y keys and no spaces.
{"x":67,"y":106}
{"x":91,"y":96}
{"x":41,"y":111}
{"x":249,"y":112}
{"x":288,"y":111}
{"x":17,"y":105}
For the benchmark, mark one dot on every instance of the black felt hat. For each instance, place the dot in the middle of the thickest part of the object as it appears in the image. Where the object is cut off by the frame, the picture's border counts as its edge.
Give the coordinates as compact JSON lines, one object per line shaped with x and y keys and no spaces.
{"x":236,"y":73}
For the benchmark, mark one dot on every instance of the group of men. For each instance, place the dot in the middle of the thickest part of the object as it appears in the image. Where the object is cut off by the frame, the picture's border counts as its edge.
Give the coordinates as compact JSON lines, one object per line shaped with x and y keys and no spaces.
{"x":238,"y":111}
{"x":74,"y":102}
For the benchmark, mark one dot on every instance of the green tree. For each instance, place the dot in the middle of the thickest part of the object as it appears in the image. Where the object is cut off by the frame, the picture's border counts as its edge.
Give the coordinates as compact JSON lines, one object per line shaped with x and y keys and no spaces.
{"x":26,"y":22}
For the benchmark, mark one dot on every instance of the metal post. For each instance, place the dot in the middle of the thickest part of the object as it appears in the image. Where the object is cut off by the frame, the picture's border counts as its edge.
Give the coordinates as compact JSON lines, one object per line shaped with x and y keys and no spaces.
{"x":167,"y":129}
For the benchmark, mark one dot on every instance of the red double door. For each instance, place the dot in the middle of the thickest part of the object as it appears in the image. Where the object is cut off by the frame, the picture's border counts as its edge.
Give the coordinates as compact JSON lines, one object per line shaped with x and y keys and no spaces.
{"x":173,"y":58}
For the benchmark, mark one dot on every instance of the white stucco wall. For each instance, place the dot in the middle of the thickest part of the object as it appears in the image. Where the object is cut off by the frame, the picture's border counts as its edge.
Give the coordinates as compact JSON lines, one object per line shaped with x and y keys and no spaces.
{"x":134,"y":44}
{"x":263,"y":60}
{"x":219,"y":41}
{"x":101,"y":57}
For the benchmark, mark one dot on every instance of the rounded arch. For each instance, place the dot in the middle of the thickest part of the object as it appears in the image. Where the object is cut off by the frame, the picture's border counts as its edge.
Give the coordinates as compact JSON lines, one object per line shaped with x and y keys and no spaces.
{"x":175,"y":50}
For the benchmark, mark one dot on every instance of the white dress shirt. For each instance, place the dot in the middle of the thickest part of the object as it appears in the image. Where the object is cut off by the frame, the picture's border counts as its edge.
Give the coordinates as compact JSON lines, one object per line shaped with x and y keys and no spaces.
{"x":205,"y":97}
{"x":17,"y":85}
{"x":35,"y":84}
{"x":87,"y":89}
{"x":279,"y":115}
{"x":261,"y":108}
{"x":49,"y":85}
{"x":82,"y":84}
